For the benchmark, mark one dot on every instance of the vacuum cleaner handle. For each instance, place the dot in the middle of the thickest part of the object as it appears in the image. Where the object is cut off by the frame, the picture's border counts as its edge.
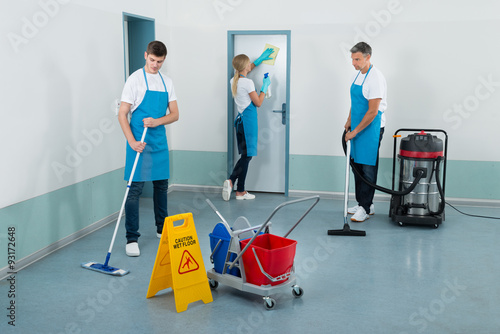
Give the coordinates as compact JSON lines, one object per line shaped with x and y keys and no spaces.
{"x":347,"y":229}
{"x":346,"y":190}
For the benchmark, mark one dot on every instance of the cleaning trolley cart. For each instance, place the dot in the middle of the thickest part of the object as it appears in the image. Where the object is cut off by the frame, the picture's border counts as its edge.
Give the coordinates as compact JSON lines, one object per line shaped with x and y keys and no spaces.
{"x":251,"y":259}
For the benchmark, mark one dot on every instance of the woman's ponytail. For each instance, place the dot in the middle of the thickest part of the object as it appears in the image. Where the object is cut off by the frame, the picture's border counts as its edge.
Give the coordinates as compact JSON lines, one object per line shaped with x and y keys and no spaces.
{"x":234,"y":86}
{"x":240,"y":62}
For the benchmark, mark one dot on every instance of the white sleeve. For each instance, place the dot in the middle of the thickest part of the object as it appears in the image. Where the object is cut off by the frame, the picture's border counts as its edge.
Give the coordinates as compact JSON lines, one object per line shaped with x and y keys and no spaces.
{"x":129,"y":91}
{"x":376,"y":87}
{"x":249,"y":86}
{"x":171,"y":91}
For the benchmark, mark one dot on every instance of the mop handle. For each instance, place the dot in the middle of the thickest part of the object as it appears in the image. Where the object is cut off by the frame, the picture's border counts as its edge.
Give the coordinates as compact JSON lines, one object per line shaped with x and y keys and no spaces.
{"x":218,"y":214}
{"x":126,"y":195}
{"x":346,"y":190}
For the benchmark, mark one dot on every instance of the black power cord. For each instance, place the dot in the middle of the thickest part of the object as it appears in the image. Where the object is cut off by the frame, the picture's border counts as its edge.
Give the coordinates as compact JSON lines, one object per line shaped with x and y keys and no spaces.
{"x":468,"y":214}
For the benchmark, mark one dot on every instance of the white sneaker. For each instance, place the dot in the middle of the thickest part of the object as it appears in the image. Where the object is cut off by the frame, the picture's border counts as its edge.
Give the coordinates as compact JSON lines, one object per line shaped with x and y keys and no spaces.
{"x":353,"y":210}
{"x":246,"y":196}
{"x":132,"y":249}
{"x":226,"y":190}
{"x":360,"y":215}
{"x":158,"y":235}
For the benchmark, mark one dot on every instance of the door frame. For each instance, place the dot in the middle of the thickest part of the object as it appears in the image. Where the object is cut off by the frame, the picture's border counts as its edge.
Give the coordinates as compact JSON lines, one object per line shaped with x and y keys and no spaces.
{"x":143,"y":30}
{"x":230,"y":106}
{"x":138,"y":31}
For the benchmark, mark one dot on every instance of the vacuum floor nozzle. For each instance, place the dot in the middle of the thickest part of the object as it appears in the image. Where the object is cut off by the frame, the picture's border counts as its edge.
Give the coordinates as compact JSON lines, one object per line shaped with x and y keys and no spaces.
{"x":347,"y":231}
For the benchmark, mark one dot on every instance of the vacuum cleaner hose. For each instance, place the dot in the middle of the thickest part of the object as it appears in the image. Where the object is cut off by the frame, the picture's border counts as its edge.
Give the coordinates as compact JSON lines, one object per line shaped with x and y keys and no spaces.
{"x":419,"y":175}
{"x":440,"y":189}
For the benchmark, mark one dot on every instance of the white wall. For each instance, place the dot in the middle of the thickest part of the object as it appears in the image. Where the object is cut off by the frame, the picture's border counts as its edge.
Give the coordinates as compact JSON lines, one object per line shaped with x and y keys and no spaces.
{"x":62,"y":69}
{"x":435,"y":55}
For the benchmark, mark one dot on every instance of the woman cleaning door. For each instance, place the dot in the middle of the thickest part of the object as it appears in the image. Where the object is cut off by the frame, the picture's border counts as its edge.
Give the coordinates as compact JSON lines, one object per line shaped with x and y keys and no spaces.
{"x":247,"y":101}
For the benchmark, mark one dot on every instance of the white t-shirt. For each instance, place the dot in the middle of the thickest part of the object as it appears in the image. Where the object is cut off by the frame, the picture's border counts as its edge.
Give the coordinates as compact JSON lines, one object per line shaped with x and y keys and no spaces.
{"x":242,"y":98}
{"x":135,"y":87}
{"x":375,"y":87}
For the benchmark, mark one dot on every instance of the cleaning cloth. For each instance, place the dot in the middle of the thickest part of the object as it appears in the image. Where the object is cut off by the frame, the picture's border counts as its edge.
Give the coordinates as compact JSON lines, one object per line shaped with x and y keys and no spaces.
{"x":273,"y":55}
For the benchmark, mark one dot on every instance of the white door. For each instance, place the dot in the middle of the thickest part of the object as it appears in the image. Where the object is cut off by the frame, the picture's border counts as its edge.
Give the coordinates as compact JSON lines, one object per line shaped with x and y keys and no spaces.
{"x":266,"y":172}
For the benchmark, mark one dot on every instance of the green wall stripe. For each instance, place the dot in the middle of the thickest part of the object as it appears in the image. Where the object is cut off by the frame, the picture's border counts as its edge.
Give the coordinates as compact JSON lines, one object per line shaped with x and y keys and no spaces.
{"x":198,"y":168}
{"x":327,"y":173}
{"x":46,"y":219}
{"x":464,"y":179}
{"x":473,"y":179}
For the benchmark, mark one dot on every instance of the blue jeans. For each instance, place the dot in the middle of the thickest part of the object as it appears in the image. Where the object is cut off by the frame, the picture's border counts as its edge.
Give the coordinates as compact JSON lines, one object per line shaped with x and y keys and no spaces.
{"x":241,"y":168}
{"x":364,"y":192}
{"x":160,"y":189}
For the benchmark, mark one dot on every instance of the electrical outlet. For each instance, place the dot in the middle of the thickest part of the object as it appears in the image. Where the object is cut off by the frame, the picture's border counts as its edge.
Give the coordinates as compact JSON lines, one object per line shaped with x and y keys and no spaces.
{"x":116,"y":106}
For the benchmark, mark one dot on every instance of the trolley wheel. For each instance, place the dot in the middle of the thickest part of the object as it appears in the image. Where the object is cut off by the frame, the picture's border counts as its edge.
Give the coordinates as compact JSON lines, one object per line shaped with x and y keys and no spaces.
{"x":297,"y":291}
{"x":436,"y":225}
{"x":213,"y":284}
{"x":400,"y":223}
{"x":269,"y":303}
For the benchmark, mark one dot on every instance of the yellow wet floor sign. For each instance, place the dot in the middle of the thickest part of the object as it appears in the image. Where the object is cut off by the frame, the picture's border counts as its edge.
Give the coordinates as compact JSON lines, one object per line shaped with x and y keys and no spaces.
{"x":179,"y":264}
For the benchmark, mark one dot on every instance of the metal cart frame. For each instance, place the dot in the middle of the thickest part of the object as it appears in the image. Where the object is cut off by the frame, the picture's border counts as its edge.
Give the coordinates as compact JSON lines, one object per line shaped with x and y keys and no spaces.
{"x":243,"y":230}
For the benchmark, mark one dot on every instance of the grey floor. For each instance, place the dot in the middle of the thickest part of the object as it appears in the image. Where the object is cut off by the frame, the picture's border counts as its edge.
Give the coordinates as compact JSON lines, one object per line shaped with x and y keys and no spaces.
{"x":395,"y":280}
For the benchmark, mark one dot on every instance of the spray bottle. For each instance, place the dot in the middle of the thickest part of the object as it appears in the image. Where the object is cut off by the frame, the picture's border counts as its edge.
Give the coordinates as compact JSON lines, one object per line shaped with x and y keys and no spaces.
{"x":268,"y":93}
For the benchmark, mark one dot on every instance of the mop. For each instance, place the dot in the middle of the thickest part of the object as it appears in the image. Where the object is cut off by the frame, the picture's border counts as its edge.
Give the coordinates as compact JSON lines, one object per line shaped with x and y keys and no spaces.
{"x":347,"y":229}
{"x":104,"y":268}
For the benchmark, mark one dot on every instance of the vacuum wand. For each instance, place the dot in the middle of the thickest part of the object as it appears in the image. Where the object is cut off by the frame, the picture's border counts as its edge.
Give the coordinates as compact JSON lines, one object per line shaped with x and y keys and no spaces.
{"x":346,"y":188}
{"x":347,"y":229}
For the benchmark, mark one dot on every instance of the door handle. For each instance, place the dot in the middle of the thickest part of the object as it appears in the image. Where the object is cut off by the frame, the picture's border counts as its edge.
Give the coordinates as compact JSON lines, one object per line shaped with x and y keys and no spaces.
{"x":283,"y":113}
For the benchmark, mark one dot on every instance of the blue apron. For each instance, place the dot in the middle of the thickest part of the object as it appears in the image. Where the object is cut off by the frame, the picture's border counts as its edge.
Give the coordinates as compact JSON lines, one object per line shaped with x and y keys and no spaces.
{"x":364,"y":147}
{"x":153,"y":162}
{"x":251,"y":127}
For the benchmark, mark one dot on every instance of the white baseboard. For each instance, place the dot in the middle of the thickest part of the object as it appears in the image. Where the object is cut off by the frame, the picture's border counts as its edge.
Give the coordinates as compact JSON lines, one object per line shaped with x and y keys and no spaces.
{"x":195,"y":188}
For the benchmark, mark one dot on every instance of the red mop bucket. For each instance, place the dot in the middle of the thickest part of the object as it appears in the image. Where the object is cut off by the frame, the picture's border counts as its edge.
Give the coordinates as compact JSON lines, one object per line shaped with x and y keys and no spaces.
{"x":275,"y":254}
